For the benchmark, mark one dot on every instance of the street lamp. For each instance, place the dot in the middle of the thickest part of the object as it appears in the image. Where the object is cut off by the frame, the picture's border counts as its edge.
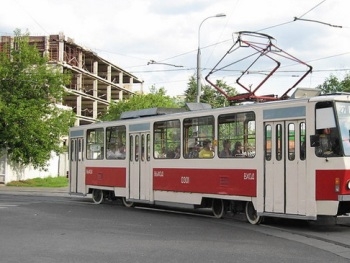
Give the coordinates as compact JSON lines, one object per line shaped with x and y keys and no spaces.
{"x":199,"y":58}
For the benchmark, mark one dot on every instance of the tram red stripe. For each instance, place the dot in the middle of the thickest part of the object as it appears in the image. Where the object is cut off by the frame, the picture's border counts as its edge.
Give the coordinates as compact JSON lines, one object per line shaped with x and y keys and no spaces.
{"x":241,"y":182}
{"x":102,"y":176}
{"x":325,"y":184}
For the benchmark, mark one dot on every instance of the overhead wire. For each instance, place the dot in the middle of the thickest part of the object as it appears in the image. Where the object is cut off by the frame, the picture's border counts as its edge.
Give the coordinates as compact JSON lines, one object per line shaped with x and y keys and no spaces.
{"x":28,"y":13}
{"x":215,"y":44}
{"x":263,"y":29}
{"x":313,"y":8}
{"x":274,"y":26}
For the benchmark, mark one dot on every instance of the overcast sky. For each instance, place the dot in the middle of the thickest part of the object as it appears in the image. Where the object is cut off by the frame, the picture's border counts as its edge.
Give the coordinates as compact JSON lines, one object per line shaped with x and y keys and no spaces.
{"x":131,"y":33}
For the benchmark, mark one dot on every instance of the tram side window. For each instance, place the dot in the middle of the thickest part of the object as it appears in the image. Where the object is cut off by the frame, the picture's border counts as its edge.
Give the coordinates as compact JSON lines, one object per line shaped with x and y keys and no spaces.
{"x":80,"y":150}
{"x":268,"y":142}
{"x":77,"y":150}
{"x":291,"y":142}
{"x":198,"y":134}
{"x":72,"y":150}
{"x":279,"y":142}
{"x":116,"y":142}
{"x":237,"y":137}
{"x":131,"y":152}
{"x":167,"y":139}
{"x":94,"y":144}
{"x":137,"y":148}
{"x":302,"y":139}
{"x":148,"y":147}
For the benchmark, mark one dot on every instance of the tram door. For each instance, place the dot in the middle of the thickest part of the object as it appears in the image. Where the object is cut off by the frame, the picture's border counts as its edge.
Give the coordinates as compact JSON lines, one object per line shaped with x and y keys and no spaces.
{"x":285,"y":168}
{"x":139,"y":174}
{"x":76,"y":168}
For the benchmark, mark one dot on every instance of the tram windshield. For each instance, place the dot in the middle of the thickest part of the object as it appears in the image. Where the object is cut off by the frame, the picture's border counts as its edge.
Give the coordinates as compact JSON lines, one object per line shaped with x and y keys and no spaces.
{"x":343,"y":115}
{"x":333,"y":129}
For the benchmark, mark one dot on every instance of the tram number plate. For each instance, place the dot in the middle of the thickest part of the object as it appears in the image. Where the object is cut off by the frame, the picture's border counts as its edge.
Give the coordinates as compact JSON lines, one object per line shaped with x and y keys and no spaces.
{"x":185,"y":179}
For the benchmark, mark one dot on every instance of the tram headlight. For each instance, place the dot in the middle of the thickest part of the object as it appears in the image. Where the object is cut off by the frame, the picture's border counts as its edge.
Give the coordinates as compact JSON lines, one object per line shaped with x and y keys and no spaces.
{"x":348,"y":185}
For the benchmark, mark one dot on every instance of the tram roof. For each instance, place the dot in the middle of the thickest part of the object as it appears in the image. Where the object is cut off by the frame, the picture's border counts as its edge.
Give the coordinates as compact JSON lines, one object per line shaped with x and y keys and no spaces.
{"x":203,"y":107}
{"x":162,"y":111}
{"x":332,"y":96}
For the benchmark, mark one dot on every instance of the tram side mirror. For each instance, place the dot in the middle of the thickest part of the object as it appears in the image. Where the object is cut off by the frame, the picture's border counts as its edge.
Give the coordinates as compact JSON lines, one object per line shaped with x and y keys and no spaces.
{"x":314,"y":140}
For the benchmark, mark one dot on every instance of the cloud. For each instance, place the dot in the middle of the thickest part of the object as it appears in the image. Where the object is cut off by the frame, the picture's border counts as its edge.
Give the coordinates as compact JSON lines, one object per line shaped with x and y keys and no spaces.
{"x":131,"y":33}
{"x":183,"y":7}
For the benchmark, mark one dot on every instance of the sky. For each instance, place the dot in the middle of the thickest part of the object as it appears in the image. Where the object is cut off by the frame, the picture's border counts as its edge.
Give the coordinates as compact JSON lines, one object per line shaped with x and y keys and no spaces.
{"x":158,"y":40}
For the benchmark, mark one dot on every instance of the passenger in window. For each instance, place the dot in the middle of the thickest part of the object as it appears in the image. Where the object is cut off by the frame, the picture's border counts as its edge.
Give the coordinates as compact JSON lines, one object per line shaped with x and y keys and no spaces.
{"x":329,"y":143}
{"x":170,"y":154}
{"x":121,"y":153}
{"x":177,"y":152}
{"x":112,"y":151}
{"x":206,"y":152}
{"x":163,"y":153}
{"x":100,"y":156}
{"x":249,"y":151}
{"x":325,"y":147}
{"x":237,"y":151}
{"x":193,"y":151}
{"x":226,"y":151}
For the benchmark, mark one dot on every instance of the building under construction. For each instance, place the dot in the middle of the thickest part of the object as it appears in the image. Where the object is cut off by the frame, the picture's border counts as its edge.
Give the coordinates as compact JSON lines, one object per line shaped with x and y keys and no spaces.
{"x":95,"y":81}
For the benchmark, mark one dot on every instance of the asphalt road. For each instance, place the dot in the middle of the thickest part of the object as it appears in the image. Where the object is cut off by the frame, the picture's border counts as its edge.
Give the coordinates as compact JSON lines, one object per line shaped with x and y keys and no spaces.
{"x":42,"y":227}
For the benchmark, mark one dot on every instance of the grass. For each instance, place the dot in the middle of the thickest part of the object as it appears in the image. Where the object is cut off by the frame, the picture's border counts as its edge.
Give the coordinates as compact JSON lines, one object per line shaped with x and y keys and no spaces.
{"x":41,"y":182}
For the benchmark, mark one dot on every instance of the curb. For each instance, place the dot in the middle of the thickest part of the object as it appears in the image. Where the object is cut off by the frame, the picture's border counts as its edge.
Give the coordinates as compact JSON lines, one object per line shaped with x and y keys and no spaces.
{"x":17,"y":189}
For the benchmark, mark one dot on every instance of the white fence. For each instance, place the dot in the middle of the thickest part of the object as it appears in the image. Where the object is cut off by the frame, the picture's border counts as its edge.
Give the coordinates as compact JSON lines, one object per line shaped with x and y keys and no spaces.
{"x":57,"y":166}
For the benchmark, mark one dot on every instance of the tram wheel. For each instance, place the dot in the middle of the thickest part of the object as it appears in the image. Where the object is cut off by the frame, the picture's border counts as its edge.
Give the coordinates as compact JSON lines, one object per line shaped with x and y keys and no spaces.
{"x":97,"y":196}
{"x":127,"y":203}
{"x":218,"y":208}
{"x":251,"y":214}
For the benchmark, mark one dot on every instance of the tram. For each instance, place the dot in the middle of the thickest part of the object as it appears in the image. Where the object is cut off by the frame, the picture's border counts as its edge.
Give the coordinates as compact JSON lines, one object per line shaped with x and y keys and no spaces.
{"x":294,"y":160}
{"x":286,"y":157}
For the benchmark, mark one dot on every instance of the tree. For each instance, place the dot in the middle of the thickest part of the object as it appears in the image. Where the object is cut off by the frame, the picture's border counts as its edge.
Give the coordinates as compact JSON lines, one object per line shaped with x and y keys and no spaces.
{"x":31,"y":124}
{"x":346,"y":83}
{"x":209,"y":94}
{"x":333,"y":85}
{"x":156,"y":98}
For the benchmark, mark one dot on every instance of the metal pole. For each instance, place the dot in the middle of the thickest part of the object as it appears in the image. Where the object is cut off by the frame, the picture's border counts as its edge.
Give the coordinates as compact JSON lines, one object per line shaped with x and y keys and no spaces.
{"x":199,"y":87}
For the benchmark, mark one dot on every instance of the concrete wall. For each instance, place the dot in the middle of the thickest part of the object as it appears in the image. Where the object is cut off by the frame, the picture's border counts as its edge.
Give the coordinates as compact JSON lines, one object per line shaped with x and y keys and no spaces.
{"x":57,"y":166}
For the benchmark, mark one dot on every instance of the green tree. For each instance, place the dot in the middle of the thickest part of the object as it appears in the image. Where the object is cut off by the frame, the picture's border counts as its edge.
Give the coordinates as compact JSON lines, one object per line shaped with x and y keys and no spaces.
{"x":31,"y":123}
{"x":156,"y":98}
{"x":333,"y":84}
{"x":209,"y":94}
{"x":346,"y":83}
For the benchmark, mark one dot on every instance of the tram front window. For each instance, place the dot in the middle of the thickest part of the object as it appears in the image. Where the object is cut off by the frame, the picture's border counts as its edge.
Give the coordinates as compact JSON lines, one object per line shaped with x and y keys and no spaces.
{"x":327,"y":131}
{"x":329,"y":145}
{"x":343,"y":115}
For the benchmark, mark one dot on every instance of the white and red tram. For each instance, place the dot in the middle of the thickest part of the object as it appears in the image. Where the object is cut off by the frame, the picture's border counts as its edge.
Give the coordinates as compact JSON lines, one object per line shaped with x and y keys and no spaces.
{"x":285,"y":169}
